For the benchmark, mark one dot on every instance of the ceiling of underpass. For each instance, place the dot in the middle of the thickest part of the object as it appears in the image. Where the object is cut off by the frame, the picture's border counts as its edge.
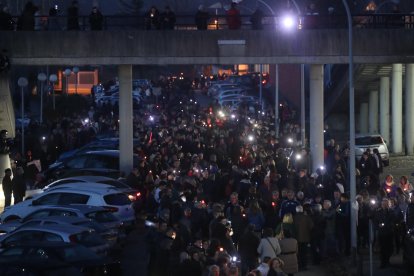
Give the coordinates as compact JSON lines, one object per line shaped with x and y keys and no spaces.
{"x":366,"y":78}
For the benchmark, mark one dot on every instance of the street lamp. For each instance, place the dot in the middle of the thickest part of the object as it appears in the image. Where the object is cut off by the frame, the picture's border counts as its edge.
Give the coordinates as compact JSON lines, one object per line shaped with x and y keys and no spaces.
{"x":290,"y":22}
{"x":76,"y":71}
{"x":53,"y":78}
{"x":41,"y":77}
{"x":67,"y":73}
{"x":351,"y":129}
{"x":22,"y":83}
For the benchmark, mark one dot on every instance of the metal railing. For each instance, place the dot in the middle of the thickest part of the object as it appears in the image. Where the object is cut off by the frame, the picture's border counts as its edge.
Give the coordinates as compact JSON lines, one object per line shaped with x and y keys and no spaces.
{"x":219,"y":22}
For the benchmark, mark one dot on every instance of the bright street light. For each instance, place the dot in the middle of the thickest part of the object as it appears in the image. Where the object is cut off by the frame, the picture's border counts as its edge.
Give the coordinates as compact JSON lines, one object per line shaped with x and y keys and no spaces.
{"x":289,"y":22}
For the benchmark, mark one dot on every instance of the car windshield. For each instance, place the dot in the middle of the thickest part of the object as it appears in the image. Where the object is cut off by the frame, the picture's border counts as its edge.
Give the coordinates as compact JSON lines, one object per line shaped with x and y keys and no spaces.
{"x":368,"y":140}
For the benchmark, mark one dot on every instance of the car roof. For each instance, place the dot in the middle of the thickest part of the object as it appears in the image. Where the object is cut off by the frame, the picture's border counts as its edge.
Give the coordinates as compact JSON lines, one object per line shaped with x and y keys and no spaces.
{"x":116,"y":185}
{"x":86,"y":187}
{"x":55,"y":228}
{"x":64,"y":219}
{"x":83,"y":178}
{"x":34,"y":243}
{"x":83,"y":208}
{"x":359,"y":135}
{"x":114,"y":153}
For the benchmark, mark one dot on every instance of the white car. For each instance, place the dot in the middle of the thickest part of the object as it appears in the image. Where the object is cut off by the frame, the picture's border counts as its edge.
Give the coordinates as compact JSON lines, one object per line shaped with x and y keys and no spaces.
{"x":217,"y":87}
{"x":233,"y":92}
{"x":95,"y":195}
{"x":80,"y":180}
{"x":363,"y":142}
{"x":56,"y":233}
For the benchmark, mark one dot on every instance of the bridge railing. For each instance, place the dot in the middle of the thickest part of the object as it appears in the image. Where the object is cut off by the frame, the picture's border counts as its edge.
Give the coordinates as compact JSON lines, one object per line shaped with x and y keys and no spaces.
{"x":219,"y":22}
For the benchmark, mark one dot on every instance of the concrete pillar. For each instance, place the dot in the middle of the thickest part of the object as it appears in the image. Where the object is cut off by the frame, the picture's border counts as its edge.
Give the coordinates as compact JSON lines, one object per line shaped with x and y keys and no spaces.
{"x":363,"y":118}
{"x":396,"y":108}
{"x":316,"y":115}
{"x":125,"y":119}
{"x":373,"y":112}
{"x":409,"y":108}
{"x":385,"y":108}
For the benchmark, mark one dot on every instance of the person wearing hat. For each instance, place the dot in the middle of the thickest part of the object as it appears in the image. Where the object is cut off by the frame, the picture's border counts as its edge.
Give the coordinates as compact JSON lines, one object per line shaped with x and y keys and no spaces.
{"x":7,"y":187}
{"x":19,"y":185}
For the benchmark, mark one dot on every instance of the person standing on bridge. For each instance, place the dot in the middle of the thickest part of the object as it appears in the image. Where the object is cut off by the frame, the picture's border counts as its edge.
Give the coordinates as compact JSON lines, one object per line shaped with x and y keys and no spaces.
{"x":96,"y":19}
{"x":73,"y":17}
{"x":233,"y":17}
{"x":201,"y":18}
{"x":152,"y":19}
{"x":168,"y":19}
{"x":6,"y":20}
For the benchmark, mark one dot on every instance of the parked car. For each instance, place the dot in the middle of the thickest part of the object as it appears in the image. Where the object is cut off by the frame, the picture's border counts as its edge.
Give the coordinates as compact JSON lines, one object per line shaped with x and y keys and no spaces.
{"x":214,"y":89}
{"x":230,"y":93}
{"x":113,"y":99}
{"x":56,"y":232}
{"x":103,"y":159}
{"x":111,"y":143}
{"x":79,"y":180}
{"x":54,"y":258}
{"x":96,"y":213}
{"x":371,"y":141}
{"x":104,"y":195}
{"x":109,"y":235}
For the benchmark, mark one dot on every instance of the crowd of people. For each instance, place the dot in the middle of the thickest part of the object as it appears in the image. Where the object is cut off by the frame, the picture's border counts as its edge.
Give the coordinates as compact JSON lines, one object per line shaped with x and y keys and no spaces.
{"x":314,"y":15}
{"x":221,"y":195}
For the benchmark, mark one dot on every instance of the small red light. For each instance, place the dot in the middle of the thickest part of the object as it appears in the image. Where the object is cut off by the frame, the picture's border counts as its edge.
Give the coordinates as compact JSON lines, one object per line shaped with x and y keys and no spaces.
{"x":73,"y":239}
{"x":111,"y":209}
{"x":221,"y":249}
{"x":388,"y":190}
{"x":203,"y":202}
{"x":273,"y":204}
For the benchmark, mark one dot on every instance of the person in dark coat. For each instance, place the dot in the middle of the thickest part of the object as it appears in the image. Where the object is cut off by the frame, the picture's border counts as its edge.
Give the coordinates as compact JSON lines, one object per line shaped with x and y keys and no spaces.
{"x":26,"y":20}
{"x":248,"y":249}
{"x":256,"y":20}
{"x":19,"y":185}
{"x":385,"y":221}
{"x":73,"y":16}
{"x":168,"y":19}
{"x":96,"y":19}
{"x":6,"y":20}
{"x":152,"y":19}
{"x":409,"y":217}
{"x":303,"y":225}
{"x":7,"y":187}
{"x":135,"y":255}
{"x":201,"y":18}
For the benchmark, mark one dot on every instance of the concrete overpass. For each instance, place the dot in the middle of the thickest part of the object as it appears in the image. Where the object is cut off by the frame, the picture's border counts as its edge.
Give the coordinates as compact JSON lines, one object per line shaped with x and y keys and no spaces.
{"x":327,"y":46}
{"x":135,"y":47}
